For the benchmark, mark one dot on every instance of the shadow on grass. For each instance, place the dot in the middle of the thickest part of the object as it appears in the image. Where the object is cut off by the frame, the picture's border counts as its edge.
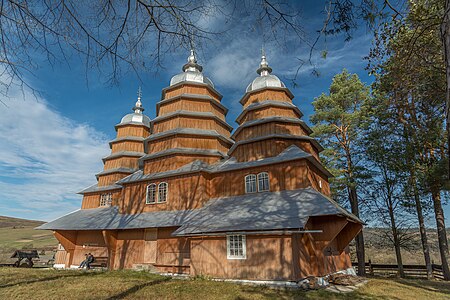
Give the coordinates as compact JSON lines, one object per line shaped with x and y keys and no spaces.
{"x":47,"y":279}
{"x":136,"y":288}
{"x":428,"y":285}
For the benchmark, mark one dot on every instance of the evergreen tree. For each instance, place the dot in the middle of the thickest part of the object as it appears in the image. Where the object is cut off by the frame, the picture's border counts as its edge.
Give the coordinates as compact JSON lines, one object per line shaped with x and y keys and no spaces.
{"x":337,"y":123}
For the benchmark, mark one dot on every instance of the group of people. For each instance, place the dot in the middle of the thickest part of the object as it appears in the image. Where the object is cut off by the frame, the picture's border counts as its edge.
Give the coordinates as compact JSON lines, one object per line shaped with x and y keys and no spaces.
{"x":89,"y":259}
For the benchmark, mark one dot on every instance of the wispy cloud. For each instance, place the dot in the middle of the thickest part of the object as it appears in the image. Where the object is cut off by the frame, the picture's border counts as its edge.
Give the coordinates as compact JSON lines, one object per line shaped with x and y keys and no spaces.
{"x":45,"y":159}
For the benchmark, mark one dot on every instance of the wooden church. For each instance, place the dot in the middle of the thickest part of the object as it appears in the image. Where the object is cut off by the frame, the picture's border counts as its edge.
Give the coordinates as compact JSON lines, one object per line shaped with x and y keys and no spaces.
{"x":184,"y":193}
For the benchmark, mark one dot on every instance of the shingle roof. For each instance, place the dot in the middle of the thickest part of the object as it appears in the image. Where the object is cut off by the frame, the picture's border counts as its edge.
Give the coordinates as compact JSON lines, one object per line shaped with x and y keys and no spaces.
{"x":104,"y":218}
{"x":261,"y":211}
{"x":195,"y":151}
{"x":250,"y":212}
{"x":96,"y":188}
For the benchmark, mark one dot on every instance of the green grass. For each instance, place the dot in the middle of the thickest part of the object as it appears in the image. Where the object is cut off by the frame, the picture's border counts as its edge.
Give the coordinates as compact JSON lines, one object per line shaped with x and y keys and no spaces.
{"x":53,"y":284}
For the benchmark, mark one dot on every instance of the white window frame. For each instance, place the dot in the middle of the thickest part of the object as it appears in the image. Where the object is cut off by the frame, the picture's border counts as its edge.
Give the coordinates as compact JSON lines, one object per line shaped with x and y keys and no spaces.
{"x":260,"y":175}
{"x":155,"y":193}
{"x":166,"y":192}
{"x":105,"y":199}
{"x":233,"y":246}
{"x":251,"y":178}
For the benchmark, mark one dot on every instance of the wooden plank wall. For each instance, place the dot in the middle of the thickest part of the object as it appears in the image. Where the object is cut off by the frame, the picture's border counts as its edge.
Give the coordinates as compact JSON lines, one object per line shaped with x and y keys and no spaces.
{"x":191,"y":122}
{"x":268,"y":257}
{"x":92,"y":200}
{"x":199,"y":105}
{"x":191,"y":89}
{"x":187,"y":141}
{"x":132,"y":130}
{"x":173,"y":162}
{"x":269,"y":111}
{"x":267,"y":94}
{"x":270,"y":128}
{"x":127,"y":146}
{"x":270,"y":147}
{"x":124,"y":162}
{"x":184,"y":192}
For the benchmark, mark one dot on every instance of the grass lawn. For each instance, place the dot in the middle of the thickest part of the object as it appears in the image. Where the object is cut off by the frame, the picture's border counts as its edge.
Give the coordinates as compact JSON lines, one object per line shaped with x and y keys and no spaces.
{"x":56,"y":284}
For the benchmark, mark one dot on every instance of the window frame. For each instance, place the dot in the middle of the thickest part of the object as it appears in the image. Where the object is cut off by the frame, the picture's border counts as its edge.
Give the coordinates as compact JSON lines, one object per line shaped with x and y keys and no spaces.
{"x":155,"y":197}
{"x":231,"y":247}
{"x":268,"y":181}
{"x":105,"y":202}
{"x":255,"y":183}
{"x":166,"y":192}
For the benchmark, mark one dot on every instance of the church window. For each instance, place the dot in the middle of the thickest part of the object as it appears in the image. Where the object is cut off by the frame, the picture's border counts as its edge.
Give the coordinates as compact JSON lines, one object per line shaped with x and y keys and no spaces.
{"x":106,"y":199}
{"x":250,"y":183}
{"x":151,"y":194}
{"x":263,"y":182}
{"x":236,"y":247}
{"x":162,"y":192}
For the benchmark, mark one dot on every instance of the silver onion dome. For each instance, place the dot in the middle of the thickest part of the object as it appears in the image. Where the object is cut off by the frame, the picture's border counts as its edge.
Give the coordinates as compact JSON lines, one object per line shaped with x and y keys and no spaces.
{"x":192,"y":72}
{"x":265,"y":79}
{"x":137,"y":116}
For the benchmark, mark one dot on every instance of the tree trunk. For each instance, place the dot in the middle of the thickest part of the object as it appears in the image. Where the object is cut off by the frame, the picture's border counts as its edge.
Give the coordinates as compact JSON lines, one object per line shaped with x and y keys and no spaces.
{"x":445,"y":36}
{"x":442,"y":234}
{"x":422,"y":229}
{"x":353,"y":198}
{"x":398,"y":253}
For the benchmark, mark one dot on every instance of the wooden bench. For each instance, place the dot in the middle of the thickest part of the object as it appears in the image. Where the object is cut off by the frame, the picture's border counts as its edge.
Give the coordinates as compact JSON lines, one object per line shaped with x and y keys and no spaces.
{"x":100,"y":262}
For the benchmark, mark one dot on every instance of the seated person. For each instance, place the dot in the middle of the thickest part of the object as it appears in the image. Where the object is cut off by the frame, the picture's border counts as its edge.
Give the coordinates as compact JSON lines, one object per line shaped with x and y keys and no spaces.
{"x":89,"y":260}
{"x":83,"y":263}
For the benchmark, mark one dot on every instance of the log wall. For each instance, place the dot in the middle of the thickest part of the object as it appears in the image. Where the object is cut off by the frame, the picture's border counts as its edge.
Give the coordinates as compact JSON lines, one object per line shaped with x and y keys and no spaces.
{"x":268,"y":258}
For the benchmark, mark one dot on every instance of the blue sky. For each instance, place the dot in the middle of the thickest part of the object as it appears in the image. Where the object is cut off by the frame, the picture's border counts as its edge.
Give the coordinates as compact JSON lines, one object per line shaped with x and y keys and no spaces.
{"x":52,"y":146}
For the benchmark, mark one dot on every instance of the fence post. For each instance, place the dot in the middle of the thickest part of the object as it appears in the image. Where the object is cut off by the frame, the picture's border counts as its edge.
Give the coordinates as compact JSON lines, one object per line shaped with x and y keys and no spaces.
{"x":370,"y":268}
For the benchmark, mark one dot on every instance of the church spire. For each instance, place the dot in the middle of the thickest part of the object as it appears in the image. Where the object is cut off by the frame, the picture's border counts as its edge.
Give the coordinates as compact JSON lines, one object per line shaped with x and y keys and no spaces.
{"x":138,"y":109}
{"x":192,"y":64}
{"x":264,"y":68}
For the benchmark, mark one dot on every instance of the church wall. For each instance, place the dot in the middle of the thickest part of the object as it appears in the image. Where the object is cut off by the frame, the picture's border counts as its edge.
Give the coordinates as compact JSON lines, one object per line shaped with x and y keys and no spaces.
{"x":318,"y":181}
{"x":187,"y":141}
{"x":130,"y":247}
{"x":268,"y":258}
{"x":269,"y":128}
{"x":269,"y":111}
{"x":89,"y":242}
{"x":122,"y":162}
{"x":133,"y":130}
{"x":127,"y":146}
{"x":266,"y":94}
{"x":198,"y":105}
{"x":92,"y":200}
{"x":172,"y":251}
{"x":173,"y":162}
{"x":270,"y":147}
{"x":190,"y":89}
{"x":191,"y":122}
{"x":184,"y":192}
{"x":108,"y":179}
{"x":283,"y":176}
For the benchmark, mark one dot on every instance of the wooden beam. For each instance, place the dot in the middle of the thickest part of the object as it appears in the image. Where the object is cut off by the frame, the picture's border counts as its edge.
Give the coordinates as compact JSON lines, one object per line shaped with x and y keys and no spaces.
{"x":110,"y":238}
{"x":347,"y":234}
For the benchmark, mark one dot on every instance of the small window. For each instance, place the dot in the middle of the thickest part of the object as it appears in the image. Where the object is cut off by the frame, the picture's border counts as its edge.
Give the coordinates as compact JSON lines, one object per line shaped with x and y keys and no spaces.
{"x":250,"y":183}
{"x":106,"y":199}
{"x":263,"y":182}
{"x":151,"y":194}
{"x":236,"y":247}
{"x":320,"y":183}
{"x":162,"y":192}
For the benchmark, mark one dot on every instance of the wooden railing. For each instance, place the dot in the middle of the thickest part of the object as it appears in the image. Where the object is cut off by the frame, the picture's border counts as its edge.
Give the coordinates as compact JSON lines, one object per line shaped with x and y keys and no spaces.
{"x":416,"y":271}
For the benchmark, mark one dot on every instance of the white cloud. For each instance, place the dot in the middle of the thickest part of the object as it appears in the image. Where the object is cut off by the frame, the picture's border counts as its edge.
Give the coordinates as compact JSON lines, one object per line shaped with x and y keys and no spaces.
{"x":45,"y":159}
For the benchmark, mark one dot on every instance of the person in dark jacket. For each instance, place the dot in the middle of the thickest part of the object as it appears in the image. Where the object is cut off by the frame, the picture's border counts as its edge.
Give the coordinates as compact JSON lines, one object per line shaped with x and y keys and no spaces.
{"x":83,"y":263}
{"x":89,"y":260}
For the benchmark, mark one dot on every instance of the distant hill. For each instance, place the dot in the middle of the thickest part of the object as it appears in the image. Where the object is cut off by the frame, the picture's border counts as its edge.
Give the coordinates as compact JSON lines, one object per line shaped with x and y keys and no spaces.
{"x":18,"y":234}
{"x":6,"y":222}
